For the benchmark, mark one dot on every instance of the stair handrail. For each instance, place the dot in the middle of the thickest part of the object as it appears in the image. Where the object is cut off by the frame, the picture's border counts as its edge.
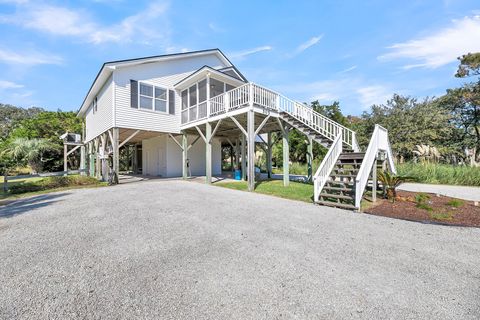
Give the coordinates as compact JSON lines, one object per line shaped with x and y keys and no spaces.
{"x":327,"y":165}
{"x":315,"y":120}
{"x":378,"y":142}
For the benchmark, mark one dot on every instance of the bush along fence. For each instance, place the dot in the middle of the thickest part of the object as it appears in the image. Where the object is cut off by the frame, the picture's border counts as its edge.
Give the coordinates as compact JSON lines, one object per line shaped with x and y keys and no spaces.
{"x":7,"y":178}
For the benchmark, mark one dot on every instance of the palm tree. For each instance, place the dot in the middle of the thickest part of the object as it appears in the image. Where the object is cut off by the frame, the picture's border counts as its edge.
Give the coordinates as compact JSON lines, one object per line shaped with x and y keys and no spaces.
{"x":390,"y":182}
{"x":28,"y":151}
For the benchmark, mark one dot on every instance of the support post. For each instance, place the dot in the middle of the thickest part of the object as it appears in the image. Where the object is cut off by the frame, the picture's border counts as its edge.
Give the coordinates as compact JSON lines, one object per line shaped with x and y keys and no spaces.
{"x":116,"y":155}
{"x":374,"y":181}
{"x":269,"y":155}
{"x":310,"y":159}
{"x":208,"y":150}
{"x":286,"y":158}
{"x":65,"y":163}
{"x":184,"y":155}
{"x":231,"y":159}
{"x":244,"y":159}
{"x":237,"y":153}
{"x":82,"y":160}
{"x":251,"y":149}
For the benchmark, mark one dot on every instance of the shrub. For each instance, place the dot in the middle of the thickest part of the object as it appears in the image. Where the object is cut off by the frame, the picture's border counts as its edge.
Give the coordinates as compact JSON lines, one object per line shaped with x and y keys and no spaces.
{"x":456,"y":203}
{"x":421,"y":201}
{"x":390,"y":182}
{"x":441,"y":173}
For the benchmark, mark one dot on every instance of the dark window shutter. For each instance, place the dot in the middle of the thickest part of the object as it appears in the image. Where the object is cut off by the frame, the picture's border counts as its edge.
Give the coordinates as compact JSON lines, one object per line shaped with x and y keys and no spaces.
{"x":171,"y":101}
{"x":134,"y":94}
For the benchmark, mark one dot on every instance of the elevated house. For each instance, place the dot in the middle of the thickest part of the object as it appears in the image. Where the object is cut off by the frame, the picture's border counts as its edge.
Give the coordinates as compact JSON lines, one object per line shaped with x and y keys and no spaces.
{"x":171,"y":114}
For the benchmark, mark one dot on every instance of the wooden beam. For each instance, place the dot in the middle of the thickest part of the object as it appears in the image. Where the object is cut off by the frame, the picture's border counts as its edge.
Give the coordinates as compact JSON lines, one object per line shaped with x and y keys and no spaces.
{"x":129,"y":138}
{"x":215,"y":130}
{"x":239,"y":126}
{"x":269,"y":155}
{"x":251,"y":150}
{"x":244,"y":160}
{"x":286,"y":159}
{"x":175,"y":140}
{"x":230,"y":142}
{"x":208,"y":151}
{"x":185,"y":155}
{"x":116,"y":154}
{"x":260,"y":137}
{"x":194,"y":141}
{"x":110,"y":136}
{"x":201,"y":134}
{"x":262,"y":124}
{"x":71,"y":151}
{"x":280,"y":124}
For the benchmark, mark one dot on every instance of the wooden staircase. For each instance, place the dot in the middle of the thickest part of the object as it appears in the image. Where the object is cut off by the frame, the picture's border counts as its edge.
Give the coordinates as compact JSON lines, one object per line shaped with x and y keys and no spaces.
{"x":339,"y":190}
{"x":306,"y":130}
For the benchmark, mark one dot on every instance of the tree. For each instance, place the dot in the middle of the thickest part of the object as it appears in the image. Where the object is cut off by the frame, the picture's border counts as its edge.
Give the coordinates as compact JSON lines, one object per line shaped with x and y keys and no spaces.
{"x":50,"y":125}
{"x":28,"y":151}
{"x":469,"y":65}
{"x":11,"y":115}
{"x":409,"y":123}
{"x":464,"y":102}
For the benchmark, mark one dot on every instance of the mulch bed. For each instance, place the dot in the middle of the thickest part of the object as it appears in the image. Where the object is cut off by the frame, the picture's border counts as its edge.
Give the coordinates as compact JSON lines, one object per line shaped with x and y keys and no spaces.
{"x":432,"y":209}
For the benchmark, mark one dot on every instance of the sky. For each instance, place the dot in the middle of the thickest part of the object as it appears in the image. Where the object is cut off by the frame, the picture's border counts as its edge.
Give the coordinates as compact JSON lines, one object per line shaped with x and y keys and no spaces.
{"x":356,"y":52}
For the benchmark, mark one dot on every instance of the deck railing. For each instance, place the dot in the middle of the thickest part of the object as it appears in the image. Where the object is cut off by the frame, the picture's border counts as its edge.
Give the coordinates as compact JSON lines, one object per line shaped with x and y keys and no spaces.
{"x":326,"y":167}
{"x":378,"y":142}
{"x":252,"y":94}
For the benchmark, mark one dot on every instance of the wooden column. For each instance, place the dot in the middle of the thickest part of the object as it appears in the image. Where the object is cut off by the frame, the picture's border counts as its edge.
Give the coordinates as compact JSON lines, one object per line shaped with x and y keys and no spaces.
{"x":237,"y":153}
{"x":184,"y":155}
{"x":374,"y":181}
{"x":286,"y":158}
{"x":98,"y":167}
{"x":310,"y":159}
{"x":208,"y":150}
{"x":244,"y":160}
{"x":269,"y":155}
{"x":65,"y":162}
{"x":251,"y":149}
{"x":116,"y":154}
{"x":82,"y":159}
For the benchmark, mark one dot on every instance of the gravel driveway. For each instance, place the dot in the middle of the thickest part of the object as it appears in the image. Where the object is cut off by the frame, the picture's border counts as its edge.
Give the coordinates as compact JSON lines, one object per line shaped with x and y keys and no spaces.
{"x":181,"y":250}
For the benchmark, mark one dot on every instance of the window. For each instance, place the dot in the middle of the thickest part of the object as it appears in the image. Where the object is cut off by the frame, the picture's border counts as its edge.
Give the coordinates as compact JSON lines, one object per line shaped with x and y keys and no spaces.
{"x":216,"y":87}
{"x":95,"y":106}
{"x":155,"y":98}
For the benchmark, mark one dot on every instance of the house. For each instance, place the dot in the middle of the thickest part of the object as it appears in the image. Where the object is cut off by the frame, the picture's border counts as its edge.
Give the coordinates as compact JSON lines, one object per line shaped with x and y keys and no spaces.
{"x":171,"y":114}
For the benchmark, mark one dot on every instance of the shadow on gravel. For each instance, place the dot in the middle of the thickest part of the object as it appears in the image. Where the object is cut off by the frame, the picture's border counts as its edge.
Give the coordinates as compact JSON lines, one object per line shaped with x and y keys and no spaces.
{"x":24,"y":205}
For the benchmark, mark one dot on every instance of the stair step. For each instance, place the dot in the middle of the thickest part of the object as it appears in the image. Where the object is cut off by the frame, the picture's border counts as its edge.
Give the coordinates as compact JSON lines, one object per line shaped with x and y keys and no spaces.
{"x":336,"y":204}
{"x":338,"y":189}
{"x":336,"y":196}
{"x":352,"y":155}
{"x":340,"y":175}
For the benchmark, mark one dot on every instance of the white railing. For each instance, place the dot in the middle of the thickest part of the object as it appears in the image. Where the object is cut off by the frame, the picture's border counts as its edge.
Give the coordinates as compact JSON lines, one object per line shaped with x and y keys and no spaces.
{"x":378,"y":142}
{"x":250,"y":93}
{"x":327,"y":165}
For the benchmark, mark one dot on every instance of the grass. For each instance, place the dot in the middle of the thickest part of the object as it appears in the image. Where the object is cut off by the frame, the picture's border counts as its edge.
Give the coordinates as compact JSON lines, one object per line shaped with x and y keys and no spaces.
{"x":456,"y":203}
{"x":295,"y":191}
{"x":299,"y":168}
{"x":38,"y":185}
{"x":442,"y":216}
{"x":441,"y":173}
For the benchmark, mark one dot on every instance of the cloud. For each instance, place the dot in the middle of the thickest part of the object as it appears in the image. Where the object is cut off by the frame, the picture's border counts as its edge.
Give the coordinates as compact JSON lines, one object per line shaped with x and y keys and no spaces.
{"x":29,"y":58}
{"x":311,"y":42}
{"x":242,"y":54}
{"x":351,"y":92}
{"x":78,"y":23}
{"x":375,"y":94}
{"x":212,"y":26}
{"x":4,"y":84}
{"x":439,"y":48}
{"x":348,"y":69}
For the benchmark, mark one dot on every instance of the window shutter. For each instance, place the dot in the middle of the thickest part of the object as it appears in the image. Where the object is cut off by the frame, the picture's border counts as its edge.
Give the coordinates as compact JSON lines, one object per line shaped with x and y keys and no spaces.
{"x":134,"y":94}
{"x":171,"y":101}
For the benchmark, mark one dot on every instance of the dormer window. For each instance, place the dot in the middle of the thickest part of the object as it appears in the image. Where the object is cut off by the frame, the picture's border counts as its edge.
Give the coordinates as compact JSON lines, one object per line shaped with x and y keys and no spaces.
{"x":94,"y":105}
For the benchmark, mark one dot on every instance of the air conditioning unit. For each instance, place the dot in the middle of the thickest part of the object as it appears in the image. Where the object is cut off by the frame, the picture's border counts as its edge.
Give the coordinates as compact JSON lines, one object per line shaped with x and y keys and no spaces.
{"x":71,"y":137}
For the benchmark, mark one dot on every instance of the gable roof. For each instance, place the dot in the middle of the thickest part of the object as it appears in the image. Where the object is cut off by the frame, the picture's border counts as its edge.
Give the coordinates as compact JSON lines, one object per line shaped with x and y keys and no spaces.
{"x":202,"y":72}
{"x":107,"y":69}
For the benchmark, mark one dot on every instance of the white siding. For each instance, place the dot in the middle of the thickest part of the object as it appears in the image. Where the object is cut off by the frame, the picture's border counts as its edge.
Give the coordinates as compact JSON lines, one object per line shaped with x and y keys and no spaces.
{"x":163,"y":157}
{"x":102,"y":120}
{"x":164,"y":74}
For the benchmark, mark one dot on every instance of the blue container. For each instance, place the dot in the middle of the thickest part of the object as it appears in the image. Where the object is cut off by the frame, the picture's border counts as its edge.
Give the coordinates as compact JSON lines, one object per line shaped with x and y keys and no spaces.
{"x":238,"y":174}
